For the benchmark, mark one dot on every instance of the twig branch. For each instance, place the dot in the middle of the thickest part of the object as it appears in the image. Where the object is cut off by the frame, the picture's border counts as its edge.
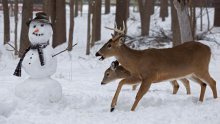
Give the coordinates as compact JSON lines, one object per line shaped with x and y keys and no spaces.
{"x":63,"y":50}
{"x":12,"y":47}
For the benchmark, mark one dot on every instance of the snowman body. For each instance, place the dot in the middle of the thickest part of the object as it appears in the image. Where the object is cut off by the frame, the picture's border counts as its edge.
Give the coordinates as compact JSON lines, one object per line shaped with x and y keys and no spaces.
{"x":32,"y":66}
{"x":39,"y":86}
{"x":40,"y":33}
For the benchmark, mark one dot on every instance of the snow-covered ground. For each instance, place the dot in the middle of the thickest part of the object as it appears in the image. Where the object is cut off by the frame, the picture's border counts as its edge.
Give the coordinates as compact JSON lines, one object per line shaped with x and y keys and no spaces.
{"x":85,"y":101}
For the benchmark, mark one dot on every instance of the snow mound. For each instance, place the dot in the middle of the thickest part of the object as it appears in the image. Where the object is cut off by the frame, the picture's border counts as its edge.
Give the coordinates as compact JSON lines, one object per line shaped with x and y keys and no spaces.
{"x":7,"y":102}
{"x":44,"y":90}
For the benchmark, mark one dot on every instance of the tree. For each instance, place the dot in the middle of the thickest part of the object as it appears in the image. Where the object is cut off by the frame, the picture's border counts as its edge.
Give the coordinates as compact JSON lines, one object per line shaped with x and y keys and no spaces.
{"x":27,"y":9}
{"x":175,"y":26}
{"x":127,"y":4}
{"x":81,"y":7}
{"x":59,"y":36}
{"x":52,"y":9}
{"x":107,"y":6}
{"x":145,"y":7}
{"x":70,"y":43}
{"x":76,"y":8}
{"x":163,"y":9}
{"x":217,"y":13}
{"x":193,"y":18}
{"x":6,"y":22}
{"x":183,"y":18}
{"x":96,"y":21}
{"x":121,"y":12}
{"x":46,"y":6}
{"x":88,"y":29}
{"x":16,"y":26}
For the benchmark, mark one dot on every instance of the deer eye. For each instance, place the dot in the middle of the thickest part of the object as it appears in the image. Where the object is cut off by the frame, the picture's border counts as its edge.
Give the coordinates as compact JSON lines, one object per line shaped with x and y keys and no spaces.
{"x":109,"y":45}
{"x":107,"y":74}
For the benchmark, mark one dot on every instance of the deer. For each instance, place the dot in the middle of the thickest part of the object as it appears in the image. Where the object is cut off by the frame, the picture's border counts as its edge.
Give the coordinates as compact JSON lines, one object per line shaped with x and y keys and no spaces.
{"x":188,"y":60}
{"x":116,"y":71}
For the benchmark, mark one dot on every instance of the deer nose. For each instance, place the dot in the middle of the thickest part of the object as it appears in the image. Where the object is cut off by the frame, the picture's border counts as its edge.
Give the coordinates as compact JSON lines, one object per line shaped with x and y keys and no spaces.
{"x":97,"y":54}
{"x":36,"y":30}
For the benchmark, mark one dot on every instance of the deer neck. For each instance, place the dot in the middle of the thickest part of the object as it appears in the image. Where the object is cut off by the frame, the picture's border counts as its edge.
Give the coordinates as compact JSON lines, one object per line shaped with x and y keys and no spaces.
{"x":127,"y":57}
{"x":122,"y":72}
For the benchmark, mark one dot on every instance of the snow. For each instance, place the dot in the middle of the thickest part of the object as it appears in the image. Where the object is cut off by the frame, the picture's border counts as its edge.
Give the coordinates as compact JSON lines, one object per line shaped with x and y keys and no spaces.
{"x":85,"y":101}
{"x":40,"y":90}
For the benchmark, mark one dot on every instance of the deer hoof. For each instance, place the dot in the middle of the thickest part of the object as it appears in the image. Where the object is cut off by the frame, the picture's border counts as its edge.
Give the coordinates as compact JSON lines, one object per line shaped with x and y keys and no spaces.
{"x":112,"y":109}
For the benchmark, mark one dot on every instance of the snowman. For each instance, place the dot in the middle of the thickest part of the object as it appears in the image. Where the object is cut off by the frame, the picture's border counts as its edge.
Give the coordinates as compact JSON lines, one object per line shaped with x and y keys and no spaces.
{"x":39,"y":63}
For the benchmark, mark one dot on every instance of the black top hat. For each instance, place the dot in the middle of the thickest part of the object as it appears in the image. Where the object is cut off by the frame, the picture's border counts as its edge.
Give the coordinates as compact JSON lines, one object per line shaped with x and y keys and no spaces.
{"x":41,"y":17}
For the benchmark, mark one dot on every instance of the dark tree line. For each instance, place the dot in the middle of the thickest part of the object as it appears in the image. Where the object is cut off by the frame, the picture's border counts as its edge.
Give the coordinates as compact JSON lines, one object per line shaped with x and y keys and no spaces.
{"x":57,"y":13}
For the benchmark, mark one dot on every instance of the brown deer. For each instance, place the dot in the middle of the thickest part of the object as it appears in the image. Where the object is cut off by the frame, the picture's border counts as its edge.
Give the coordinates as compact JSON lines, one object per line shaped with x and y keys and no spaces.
{"x":190,"y":59}
{"x":115,"y":72}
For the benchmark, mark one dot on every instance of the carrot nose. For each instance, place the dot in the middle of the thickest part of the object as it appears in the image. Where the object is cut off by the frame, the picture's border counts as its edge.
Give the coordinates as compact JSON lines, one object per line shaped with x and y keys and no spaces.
{"x":36,"y":30}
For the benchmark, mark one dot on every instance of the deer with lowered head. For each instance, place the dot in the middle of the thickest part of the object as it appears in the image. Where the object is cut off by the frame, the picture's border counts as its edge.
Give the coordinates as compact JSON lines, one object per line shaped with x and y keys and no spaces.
{"x":116,"y":71}
{"x":188,"y":60}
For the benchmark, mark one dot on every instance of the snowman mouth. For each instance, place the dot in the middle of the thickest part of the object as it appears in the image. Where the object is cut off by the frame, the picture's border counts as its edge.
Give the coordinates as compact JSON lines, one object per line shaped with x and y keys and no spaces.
{"x":36,"y":34}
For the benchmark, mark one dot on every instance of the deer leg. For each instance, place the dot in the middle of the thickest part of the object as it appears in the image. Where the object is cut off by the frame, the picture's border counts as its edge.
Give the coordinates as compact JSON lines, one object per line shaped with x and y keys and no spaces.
{"x":212,"y":83}
{"x":115,"y":98}
{"x":186,"y":84}
{"x":145,"y":85}
{"x":175,"y":86}
{"x":203,"y":87}
{"x":134,"y":87}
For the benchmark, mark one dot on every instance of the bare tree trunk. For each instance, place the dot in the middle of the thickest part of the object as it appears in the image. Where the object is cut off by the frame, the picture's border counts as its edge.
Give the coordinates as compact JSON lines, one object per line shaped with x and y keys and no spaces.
{"x":60,"y":24}
{"x":152,"y":6}
{"x":26,"y":15}
{"x":96,"y":22}
{"x":193,"y":21}
{"x":16,"y":26}
{"x":11,"y":9}
{"x":163,"y":9}
{"x":217,"y":17}
{"x":127,"y":9}
{"x":46,"y":6}
{"x":184,"y":21}
{"x":175,"y":25}
{"x":107,"y":6}
{"x":201,"y":20}
{"x":6,"y":22}
{"x":145,"y":7}
{"x":81,"y":7}
{"x":88,"y":29}
{"x":121,"y":13}
{"x":70,"y":43}
{"x":76,"y":8}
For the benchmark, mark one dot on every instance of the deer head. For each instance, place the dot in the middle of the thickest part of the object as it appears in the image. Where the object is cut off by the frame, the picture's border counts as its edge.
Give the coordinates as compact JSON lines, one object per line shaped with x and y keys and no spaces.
{"x":111,"y":47}
{"x":114,"y":72}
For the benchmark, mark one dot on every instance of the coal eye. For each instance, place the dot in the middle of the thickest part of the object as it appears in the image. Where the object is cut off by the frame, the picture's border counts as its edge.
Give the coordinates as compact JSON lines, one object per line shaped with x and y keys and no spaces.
{"x":34,"y":26}
{"x":109,"y":46}
{"x":42,"y":25}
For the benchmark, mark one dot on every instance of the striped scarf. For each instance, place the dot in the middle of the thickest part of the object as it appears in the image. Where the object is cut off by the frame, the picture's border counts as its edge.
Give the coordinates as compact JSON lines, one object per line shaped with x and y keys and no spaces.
{"x":39,"y":48}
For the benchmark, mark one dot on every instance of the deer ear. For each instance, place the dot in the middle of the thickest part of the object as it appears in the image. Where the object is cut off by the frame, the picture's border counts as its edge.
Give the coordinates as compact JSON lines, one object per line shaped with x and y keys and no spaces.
{"x":114,"y":65}
{"x":121,"y":41}
{"x":112,"y":35}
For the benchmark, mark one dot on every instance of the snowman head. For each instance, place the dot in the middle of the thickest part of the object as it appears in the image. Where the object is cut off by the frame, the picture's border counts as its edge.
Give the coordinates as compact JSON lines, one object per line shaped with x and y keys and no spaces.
{"x":40,"y":29}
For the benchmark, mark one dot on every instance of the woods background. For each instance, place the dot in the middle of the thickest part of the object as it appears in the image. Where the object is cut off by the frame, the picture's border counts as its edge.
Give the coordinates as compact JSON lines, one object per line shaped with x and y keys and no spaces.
{"x":56,"y":10}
